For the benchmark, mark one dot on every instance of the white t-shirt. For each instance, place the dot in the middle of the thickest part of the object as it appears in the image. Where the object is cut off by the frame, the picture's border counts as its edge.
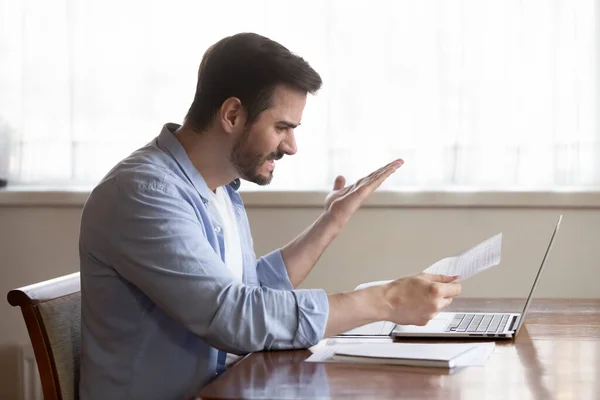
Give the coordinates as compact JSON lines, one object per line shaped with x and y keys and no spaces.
{"x":233,"y":247}
{"x":231,"y":236}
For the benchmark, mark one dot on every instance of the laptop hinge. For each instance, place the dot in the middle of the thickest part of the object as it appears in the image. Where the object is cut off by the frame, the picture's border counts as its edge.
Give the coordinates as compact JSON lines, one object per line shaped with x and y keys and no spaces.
{"x":513,"y":322}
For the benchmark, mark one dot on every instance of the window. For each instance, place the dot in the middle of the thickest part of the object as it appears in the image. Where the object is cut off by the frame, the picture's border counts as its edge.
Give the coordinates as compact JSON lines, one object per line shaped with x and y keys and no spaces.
{"x":471,"y":93}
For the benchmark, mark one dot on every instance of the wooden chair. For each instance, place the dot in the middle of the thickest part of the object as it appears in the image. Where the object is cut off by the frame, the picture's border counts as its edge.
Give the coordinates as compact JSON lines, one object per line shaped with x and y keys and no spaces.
{"x":52,"y":313}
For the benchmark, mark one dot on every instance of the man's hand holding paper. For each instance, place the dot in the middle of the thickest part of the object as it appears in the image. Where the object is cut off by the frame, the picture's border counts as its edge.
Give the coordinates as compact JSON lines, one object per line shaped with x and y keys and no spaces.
{"x":417,"y":298}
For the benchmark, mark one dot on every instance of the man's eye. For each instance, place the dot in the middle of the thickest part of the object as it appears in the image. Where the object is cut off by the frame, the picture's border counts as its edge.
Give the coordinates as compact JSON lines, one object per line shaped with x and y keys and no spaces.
{"x":280,"y":129}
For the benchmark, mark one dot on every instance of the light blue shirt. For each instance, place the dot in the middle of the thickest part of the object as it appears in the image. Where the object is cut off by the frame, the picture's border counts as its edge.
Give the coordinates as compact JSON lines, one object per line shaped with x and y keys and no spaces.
{"x":159,"y":305}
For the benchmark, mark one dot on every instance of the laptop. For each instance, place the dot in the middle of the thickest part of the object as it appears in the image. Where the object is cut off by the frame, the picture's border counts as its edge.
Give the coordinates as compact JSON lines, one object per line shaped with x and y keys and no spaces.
{"x":476,"y":324}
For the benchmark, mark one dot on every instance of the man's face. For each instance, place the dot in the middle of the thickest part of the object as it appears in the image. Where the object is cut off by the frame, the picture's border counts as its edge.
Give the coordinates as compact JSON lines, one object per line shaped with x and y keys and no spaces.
{"x":270,"y":137}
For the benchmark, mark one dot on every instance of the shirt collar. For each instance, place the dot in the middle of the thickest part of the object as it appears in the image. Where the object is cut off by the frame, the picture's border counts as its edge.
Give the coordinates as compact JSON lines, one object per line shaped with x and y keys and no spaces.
{"x":169,"y":143}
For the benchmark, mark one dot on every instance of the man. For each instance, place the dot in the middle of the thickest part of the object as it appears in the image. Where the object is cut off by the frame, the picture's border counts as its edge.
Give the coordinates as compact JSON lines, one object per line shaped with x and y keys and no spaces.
{"x":170,"y":282}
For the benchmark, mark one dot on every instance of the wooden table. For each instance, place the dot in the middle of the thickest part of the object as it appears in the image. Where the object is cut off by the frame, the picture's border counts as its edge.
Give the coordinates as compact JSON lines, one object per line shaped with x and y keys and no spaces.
{"x":555,"y":356}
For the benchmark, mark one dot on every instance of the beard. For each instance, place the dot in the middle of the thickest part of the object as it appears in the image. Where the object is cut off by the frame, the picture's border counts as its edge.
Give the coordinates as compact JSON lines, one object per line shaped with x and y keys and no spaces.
{"x":248,"y":162}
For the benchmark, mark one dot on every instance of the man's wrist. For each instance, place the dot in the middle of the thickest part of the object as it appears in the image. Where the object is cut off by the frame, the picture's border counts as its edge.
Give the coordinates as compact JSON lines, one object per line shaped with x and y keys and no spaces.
{"x":349,"y":310}
{"x":333,"y":225}
{"x":372,"y":301}
{"x":377,"y":302}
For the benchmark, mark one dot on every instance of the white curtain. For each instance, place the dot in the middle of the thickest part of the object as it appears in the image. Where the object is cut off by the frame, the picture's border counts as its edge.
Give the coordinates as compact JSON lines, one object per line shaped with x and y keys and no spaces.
{"x":471,"y":93}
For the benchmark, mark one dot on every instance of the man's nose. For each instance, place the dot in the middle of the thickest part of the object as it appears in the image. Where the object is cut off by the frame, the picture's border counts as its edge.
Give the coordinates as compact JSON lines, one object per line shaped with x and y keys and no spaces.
{"x":288,"y":146}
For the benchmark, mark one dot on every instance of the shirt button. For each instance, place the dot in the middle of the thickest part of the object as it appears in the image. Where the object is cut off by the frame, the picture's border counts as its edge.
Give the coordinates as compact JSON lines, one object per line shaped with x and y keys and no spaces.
{"x":217,"y":229}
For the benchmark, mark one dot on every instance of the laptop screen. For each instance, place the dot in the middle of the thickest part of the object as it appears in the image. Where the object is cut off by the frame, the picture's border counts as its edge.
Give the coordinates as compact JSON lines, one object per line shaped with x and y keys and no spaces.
{"x":537,"y":277}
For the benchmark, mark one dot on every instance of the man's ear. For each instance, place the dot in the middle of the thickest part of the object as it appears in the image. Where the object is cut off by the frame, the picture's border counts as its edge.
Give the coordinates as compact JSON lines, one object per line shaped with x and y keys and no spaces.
{"x":232,"y":115}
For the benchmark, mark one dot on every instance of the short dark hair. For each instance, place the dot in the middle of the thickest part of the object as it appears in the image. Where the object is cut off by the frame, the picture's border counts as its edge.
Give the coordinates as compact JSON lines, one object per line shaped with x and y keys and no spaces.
{"x":247,"y":66}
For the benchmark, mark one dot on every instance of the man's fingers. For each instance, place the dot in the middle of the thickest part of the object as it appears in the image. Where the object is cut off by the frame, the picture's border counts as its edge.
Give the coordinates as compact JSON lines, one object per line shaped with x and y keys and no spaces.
{"x":450,"y":289}
{"x":376,"y":178}
{"x":366,"y":185}
{"x":391,"y":165}
{"x":445,"y":302}
{"x":394,"y":165}
{"x":371,"y":184}
{"x":339,"y":183}
{"x":440,"y":278}
{"x":445,"y":286}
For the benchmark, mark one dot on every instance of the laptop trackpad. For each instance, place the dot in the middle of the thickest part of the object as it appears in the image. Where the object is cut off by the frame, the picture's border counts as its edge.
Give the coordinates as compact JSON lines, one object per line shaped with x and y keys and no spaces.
{"x":437,"y":324}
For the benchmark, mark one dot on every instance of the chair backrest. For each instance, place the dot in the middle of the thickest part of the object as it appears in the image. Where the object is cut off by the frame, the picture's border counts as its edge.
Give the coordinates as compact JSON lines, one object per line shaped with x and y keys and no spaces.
{"x":52,"y":313}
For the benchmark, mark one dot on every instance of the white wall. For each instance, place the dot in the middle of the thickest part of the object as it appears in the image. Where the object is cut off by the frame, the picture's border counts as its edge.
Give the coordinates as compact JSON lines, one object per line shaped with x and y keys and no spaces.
{"x":37,"y":243}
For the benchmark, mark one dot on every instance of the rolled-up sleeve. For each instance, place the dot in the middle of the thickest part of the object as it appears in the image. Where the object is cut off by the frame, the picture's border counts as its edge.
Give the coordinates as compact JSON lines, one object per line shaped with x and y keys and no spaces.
{"x":161,"y":247}
{"x":272,"y":272}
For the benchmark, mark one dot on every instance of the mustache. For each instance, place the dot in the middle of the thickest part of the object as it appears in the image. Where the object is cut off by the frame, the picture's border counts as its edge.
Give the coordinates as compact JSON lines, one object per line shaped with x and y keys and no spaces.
{"x":275,"y":156}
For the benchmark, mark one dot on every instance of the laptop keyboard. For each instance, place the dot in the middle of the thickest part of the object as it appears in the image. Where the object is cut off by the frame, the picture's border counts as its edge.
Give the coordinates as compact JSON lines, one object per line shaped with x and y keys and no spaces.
{"x":478,"y":323}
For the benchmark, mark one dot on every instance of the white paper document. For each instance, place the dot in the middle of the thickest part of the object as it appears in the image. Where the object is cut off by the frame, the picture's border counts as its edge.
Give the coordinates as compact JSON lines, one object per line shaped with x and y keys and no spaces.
{"x":466,"y":265}
{"x":369,"y":284}
{"x":469,"y":354}
{"x":481,"y":257}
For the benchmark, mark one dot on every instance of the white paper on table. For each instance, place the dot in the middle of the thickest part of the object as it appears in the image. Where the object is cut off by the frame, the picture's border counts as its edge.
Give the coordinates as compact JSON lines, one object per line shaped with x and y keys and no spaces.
{"x":477,"y":357}
{"x":322,"y":354}
{"x":471,"y":262}
{"x":381,"y":328}
{"x":337,"y":341}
